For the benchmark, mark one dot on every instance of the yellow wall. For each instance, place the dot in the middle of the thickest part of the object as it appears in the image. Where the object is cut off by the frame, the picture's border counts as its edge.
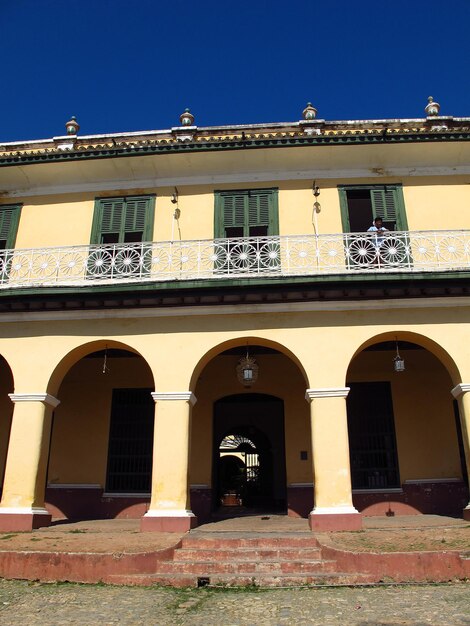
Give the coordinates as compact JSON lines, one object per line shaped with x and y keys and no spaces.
{"x":424,"y":416}
{"x":430,"y":203}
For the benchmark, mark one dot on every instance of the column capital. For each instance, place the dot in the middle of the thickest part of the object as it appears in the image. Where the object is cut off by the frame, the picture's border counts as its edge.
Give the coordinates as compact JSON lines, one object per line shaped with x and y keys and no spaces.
{"x":186,"y":396}
{"x":326,"y":392}
{"x":460,"y":389}
{"x":45,"y":398}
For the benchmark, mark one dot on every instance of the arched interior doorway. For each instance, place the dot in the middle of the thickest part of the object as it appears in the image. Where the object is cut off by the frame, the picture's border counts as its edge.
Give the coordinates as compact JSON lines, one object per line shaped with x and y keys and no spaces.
{"x":101,"y":450}
{"x":405,"y":441}
{"x":249,"y":453}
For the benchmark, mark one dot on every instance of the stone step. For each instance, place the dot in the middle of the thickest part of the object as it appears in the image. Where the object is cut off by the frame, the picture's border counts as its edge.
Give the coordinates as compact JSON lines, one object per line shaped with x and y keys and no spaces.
{"x":248,"y":554}
{"x":207,"y":568}
{"x":233,"y":580}
{"x":263,"y":540}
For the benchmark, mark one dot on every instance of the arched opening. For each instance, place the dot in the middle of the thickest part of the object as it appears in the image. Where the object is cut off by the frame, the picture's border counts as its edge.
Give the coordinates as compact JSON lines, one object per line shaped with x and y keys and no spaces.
{"x":101,"y":450}
{"x":265,"y":410}
{"x":249,"y":468}
{"x":405,"y":440}
{"x":6,"y":414}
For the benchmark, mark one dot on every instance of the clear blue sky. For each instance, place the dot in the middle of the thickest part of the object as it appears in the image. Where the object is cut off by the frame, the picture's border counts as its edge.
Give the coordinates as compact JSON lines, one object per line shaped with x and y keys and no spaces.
{"x":122,"y":65}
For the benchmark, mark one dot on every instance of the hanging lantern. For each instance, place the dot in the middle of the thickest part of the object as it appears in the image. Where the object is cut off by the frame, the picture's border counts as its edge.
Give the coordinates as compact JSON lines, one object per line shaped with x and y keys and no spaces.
{"x":398,"y":362}
{"x":247,"y":370}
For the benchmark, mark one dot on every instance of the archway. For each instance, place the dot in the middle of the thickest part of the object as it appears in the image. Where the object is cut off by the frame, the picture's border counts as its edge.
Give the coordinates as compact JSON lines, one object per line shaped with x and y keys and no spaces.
{"x":249,"y":468}
{"x":100,"y":457}
{"x":284,"y":442}
{"x":405,"y":441}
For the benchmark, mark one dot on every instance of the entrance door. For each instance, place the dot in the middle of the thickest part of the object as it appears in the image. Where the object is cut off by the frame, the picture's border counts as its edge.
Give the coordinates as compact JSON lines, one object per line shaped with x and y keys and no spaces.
{"x":249,"y":466}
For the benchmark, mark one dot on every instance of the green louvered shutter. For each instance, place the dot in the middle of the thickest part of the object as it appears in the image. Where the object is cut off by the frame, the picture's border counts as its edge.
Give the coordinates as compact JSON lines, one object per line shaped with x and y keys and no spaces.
{"x":9,"y":219}
{"x":233,"y":210}
{"x":386,"y":204}
{"x":242,"y":213}
{"x":259,"y":205}
{"x":120,"y":220}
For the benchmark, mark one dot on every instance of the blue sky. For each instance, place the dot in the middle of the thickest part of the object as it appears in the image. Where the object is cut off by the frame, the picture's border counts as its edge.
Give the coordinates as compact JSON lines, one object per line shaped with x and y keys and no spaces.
{"x":123,"y":65}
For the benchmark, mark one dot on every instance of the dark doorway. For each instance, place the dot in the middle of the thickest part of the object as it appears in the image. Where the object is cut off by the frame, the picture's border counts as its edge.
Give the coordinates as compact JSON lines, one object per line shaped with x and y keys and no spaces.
{"x":372,"y":443}
{"x":249,"y":466}
{"x":130,"y":441}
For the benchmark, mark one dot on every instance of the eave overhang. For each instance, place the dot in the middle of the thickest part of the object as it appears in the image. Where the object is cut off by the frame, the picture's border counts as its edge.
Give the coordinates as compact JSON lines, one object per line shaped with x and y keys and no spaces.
{"x":205,"y":293}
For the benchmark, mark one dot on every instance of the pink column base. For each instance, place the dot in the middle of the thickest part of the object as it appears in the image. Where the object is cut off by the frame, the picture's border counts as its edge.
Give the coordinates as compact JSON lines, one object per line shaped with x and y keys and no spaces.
{"x":167,"y":524}
{"x":327,"y":522}
{"x":23,"y":522}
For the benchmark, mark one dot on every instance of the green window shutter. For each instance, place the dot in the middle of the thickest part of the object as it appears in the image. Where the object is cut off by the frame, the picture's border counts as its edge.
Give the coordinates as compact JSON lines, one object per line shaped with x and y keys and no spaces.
{"x":259,"y":209}
{"x":386,"y":201}
{"x":112,"y":216}
{"x":383,"y":204}
{"x":245,"y":208}
{"x":123,"y":215}
{"x":233,"y":210}
{"x":9,"y":220}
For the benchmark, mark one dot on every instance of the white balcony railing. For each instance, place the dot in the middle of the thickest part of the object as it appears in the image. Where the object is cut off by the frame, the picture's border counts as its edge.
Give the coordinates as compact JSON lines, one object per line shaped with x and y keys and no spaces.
{"x":344,"y":253}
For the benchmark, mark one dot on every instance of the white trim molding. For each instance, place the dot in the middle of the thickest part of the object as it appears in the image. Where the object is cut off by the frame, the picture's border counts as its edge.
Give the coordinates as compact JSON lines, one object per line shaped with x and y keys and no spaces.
{"x":460,"y":389}
{"x":46,"y":398}
{"x":419,"y":481}
{"x":74,"y":486}
{"x":23,"y":510}
{"x":334,"y":510}
{"x":187,"y":396}
{"x":326,"y":392}
{"x":169,"y":513}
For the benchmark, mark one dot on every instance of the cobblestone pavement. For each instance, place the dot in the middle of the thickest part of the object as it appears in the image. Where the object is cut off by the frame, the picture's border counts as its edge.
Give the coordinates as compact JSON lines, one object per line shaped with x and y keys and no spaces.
{"x":59,"y":604}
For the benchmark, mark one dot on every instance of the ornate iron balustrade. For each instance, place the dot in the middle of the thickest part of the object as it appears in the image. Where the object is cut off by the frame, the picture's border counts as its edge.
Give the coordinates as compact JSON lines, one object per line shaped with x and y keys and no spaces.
{"x":309,"y":255}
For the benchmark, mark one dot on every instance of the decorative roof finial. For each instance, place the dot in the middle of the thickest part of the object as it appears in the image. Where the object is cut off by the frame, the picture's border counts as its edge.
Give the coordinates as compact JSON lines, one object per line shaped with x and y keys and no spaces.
{"x":309,"y":113}
{"x":432,"y":108}
{"x":187,"y":118}
{"x":72,"y":126}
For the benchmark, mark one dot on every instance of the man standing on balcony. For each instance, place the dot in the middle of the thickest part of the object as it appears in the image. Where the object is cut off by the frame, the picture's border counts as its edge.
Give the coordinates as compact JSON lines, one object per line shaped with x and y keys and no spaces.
{"x":379,"y":228}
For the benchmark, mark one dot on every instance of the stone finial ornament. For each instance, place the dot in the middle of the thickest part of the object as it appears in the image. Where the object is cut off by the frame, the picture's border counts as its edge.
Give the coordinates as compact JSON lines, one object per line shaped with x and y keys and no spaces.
{"x":432,"y":108}
{"x":187,"y":118}
{"x":309,"y":113}
{"x":72,"y":126}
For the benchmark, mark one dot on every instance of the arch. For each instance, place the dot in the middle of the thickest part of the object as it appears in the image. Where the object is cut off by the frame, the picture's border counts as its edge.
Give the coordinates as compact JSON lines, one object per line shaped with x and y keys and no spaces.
{"x":242,"y":341}
{"x":421,"y":340}
{"x":75,"y":355}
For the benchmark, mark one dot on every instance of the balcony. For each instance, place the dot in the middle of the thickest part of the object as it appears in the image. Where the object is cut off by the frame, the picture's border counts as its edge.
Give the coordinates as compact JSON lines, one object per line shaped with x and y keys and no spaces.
{"x":406,"y":253}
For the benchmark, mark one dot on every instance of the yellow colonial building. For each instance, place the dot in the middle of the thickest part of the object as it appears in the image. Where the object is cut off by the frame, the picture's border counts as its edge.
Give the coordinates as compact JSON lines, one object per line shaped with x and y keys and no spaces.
{"x":199,"y":322}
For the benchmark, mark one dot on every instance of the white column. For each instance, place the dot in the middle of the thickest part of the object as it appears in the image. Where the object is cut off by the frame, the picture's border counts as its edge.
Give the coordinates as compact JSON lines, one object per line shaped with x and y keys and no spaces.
{"x":169,"y":505}
{"x":22,"y":506}
{"x":333,"y":509}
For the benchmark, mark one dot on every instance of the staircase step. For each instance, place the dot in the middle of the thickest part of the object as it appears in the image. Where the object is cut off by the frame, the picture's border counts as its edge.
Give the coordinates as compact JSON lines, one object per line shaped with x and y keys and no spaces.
{"x":207,"y":568}
{"x":263,"y":540}
{"x":231,"y":580}
{"x":248,"y":554}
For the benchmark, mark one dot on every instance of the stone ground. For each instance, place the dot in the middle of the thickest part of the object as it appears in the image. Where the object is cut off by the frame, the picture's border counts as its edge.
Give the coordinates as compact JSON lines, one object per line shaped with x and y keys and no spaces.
{"x":408,"y":533}
{"x":34,"y":604}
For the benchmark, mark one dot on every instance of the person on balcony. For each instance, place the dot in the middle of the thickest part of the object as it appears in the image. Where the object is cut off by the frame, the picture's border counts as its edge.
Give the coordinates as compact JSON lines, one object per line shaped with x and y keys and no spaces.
{"x":378,"y":228}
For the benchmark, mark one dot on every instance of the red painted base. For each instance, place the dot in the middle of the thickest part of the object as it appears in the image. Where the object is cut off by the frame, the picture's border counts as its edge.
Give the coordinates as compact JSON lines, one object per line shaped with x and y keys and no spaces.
{"x":335,"y":521}
{"x":167,"y":524}
{"x":466,"y":514}
{"x":23,"y":522}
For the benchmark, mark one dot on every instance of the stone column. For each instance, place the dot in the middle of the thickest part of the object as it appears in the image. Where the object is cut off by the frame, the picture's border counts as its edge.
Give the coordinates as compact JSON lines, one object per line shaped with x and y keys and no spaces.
{"x":22,"y":506}
{"x":462,"y":394}
{"x":333,"y":509}
{"x":169,"y":505}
